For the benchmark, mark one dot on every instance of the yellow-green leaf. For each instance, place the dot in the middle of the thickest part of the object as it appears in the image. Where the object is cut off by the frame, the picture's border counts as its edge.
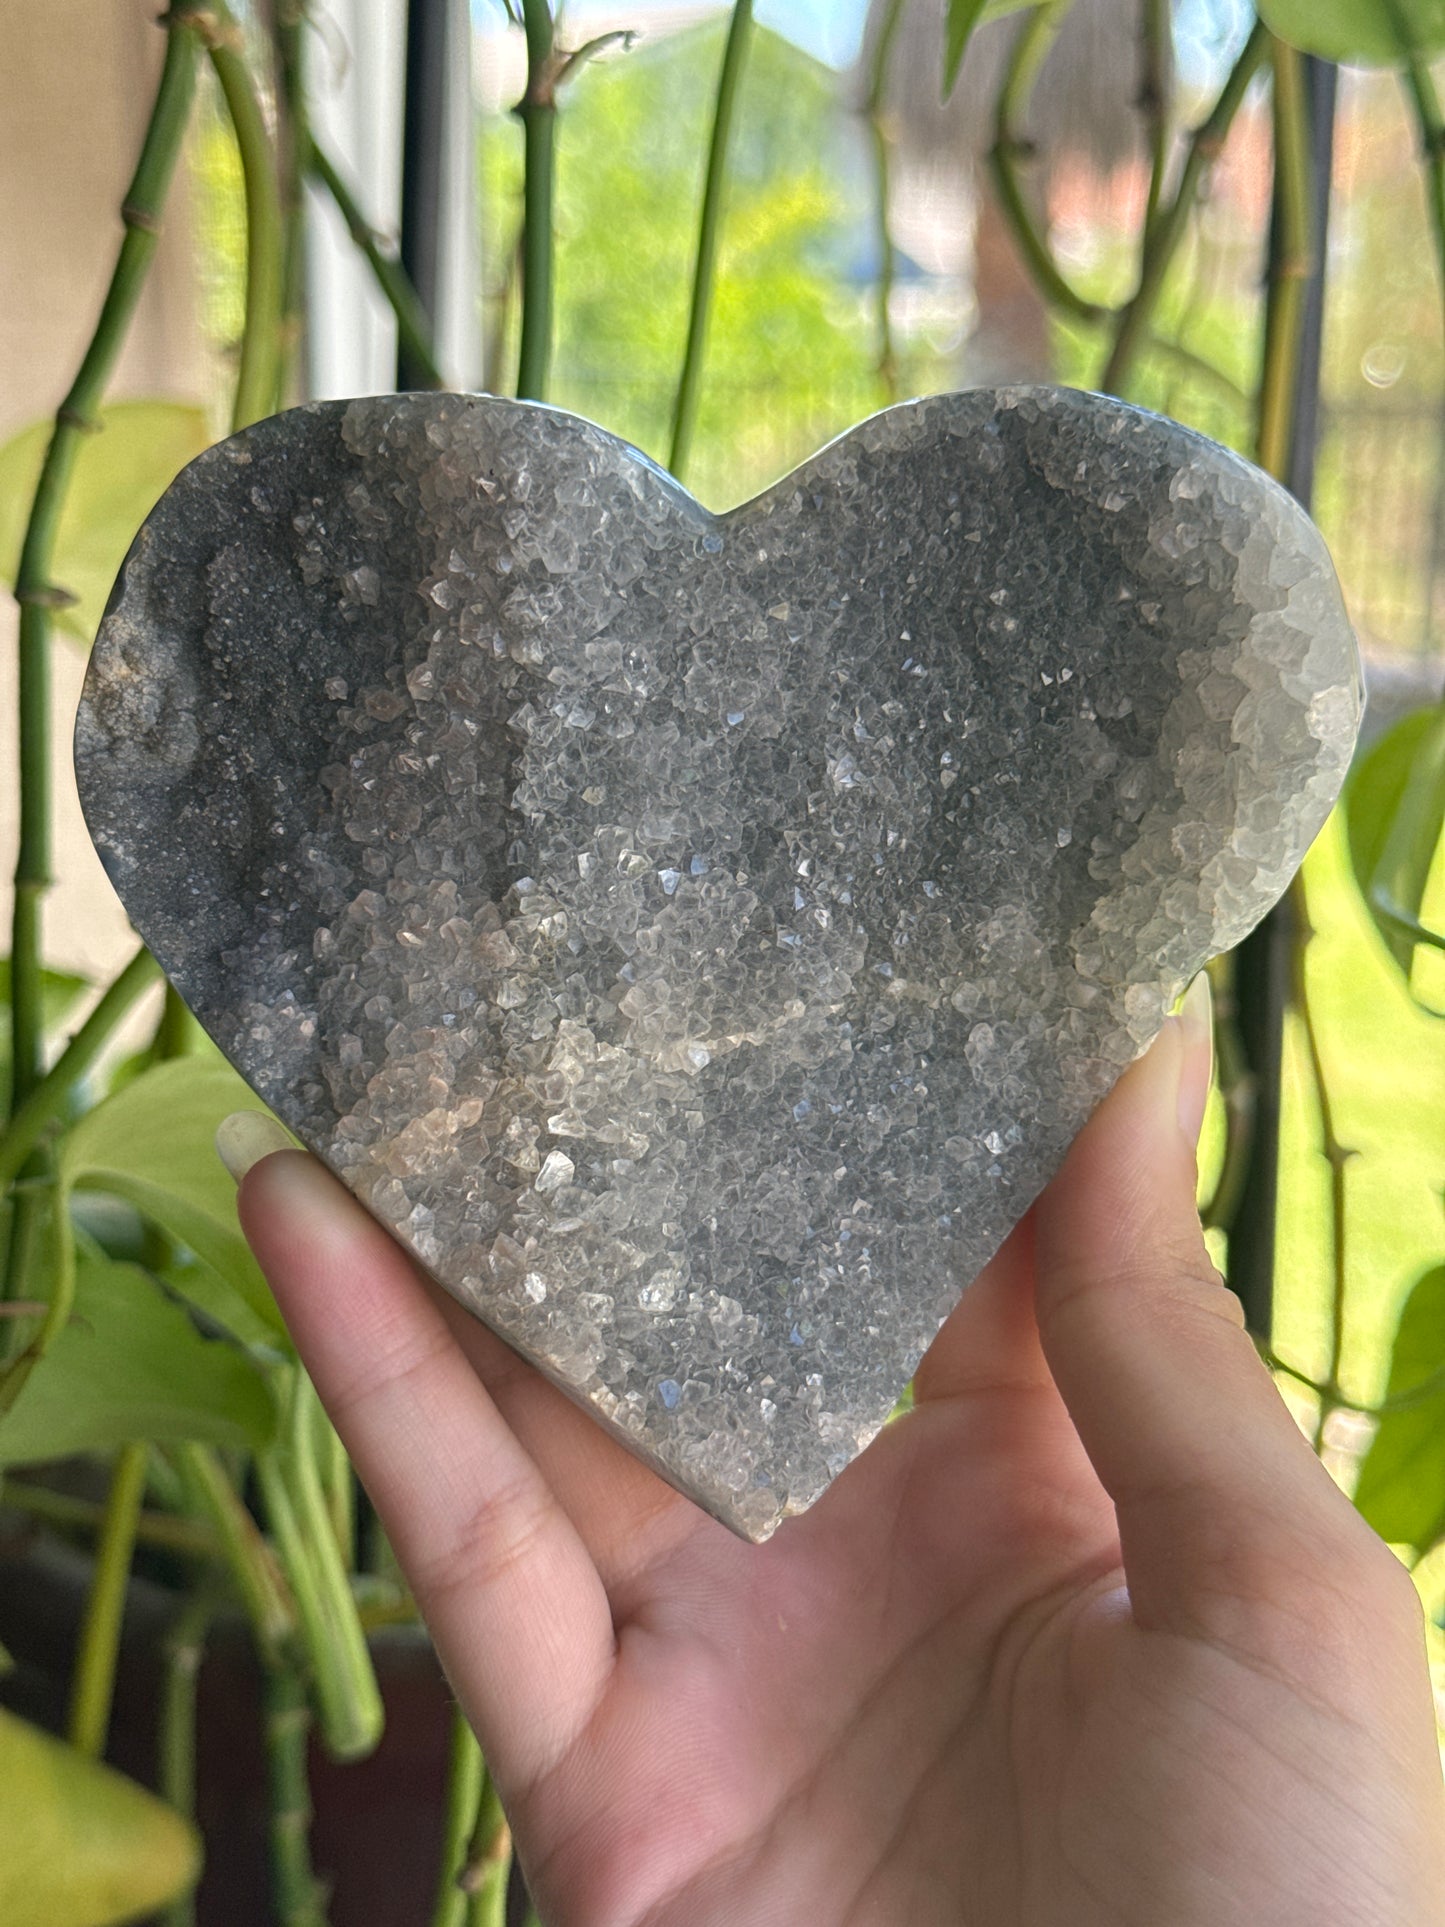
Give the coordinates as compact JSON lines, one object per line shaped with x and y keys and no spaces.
{"x":80,"y":1844}
{"x":1402,"y":1481}
{"x":1361,"y":32}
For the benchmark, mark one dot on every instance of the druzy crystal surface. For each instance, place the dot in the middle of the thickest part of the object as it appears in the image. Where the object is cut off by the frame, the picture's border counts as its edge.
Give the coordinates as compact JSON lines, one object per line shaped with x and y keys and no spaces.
{"x":699,"y":938}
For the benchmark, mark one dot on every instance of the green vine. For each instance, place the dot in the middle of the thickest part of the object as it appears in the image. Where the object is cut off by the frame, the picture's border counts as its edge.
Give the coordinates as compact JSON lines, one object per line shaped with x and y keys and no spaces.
{"x":689,"y":382}
{"x":537,"y":111}
{"x":1162,"y":242}
{"x":878,"y":135}
{"x":93,"y":1686}
{"x":412,"y":324}
{"x":38,"y":595}
{"x":259,"y":372}
{"x":1290,"y":265}
{"x":1154,"y":101}
{"x":1010,"y":149}
{"x":46,"y":1105}
{"x":463,"y":1796}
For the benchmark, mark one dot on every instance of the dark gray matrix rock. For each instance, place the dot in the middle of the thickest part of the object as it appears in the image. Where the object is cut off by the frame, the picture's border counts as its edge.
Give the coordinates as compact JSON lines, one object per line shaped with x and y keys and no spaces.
{"x":699,"y":938}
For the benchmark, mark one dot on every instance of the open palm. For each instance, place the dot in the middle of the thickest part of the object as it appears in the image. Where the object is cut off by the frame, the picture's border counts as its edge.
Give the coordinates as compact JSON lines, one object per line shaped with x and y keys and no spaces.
{"x":1087,"y":1636}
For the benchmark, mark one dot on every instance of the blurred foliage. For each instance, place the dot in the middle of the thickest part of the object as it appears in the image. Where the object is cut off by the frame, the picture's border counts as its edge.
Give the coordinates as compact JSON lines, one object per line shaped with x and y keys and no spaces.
{"x":1362,"y":31}
{"x":80,"y":1844}
{"x":789,"y":354}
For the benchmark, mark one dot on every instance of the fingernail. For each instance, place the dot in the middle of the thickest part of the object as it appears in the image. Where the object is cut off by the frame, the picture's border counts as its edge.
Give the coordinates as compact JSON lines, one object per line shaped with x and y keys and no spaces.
{"x":1196,"y":1026}
{"x":245,"y":1137}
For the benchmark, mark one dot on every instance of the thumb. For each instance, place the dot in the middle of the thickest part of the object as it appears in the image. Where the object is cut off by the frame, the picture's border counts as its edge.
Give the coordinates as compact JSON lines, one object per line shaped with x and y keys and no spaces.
{"x":1210,"y":1477}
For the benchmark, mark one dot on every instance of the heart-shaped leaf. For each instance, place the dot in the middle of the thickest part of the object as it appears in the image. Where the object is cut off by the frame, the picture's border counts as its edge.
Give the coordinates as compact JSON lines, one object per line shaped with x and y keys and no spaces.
{"x":130,"y":1364}
{"x":699,"y":938}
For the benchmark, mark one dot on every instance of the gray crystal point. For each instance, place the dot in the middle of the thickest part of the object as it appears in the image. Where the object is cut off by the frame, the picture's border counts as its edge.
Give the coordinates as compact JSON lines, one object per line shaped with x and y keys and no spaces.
{"x":698,"y":938}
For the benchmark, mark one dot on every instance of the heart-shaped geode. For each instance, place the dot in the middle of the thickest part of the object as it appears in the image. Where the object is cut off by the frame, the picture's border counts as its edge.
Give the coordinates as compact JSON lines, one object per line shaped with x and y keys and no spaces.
{"x":699,"y":938}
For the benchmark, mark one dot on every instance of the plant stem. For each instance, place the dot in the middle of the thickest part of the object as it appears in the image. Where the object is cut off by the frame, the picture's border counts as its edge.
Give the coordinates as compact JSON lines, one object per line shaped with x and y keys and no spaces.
{"x":1336,"y":1155}
{"x":176,"y":1738}
{"x":348,"y":1699}
{"x":187,"y":1536}
{"x":274,"y":1623}
{"x":1154,"y":101}
{"x":258,"y":373}
{"x":298,"y":1895}
{"x":1415,"y":1395}
{"x":689,"y":383}
{"x":252,"y":1564}
{"x":464,"y":1792}
{"x":1031,"y":49}
{"x":1162,"y":242}
{"x":48,"y":1099}
{"x":1200,"y":367}
{"x":292,"y":145}
{"x":1290,"y":266}
{"x":37,"y":595}
{"x":537,"y":111}
{"x":488,"y":1868}
{"x":874,"y":113}
{"x":45,"y":1105}
{"x":93,"y":1686}
{"x":337,"y":1483}
{"x":412,"y":325}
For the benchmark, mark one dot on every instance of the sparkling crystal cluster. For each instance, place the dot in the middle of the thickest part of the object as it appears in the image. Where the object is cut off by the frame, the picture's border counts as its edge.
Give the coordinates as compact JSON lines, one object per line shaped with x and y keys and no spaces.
{"x":700,"y":938}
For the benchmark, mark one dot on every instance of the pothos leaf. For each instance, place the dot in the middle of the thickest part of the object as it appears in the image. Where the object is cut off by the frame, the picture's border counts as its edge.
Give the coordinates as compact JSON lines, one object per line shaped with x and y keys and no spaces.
{"x":153,"y":1143}
{"x":1362,"y":32}
{"x":1395,"y":815}
{"x":130,"y":1364}
{"x":1401,"y":1490}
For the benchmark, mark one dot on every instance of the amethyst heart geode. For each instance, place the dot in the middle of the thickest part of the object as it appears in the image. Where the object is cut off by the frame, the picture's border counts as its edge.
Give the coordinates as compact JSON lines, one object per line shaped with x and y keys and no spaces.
{"x":698,"y":938}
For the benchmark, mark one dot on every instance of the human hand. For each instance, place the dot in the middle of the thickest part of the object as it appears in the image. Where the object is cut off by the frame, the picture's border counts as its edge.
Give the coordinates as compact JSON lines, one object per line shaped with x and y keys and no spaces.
{"x":1088,"y":1636}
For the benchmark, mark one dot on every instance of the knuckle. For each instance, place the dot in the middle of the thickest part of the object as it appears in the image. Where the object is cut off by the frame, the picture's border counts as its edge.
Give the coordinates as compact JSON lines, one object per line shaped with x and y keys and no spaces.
{"x":492,"y":1543}
{"x":1192,"y":1281}
{"x":1174,"y":1273}
{"x":395,"y":1358}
